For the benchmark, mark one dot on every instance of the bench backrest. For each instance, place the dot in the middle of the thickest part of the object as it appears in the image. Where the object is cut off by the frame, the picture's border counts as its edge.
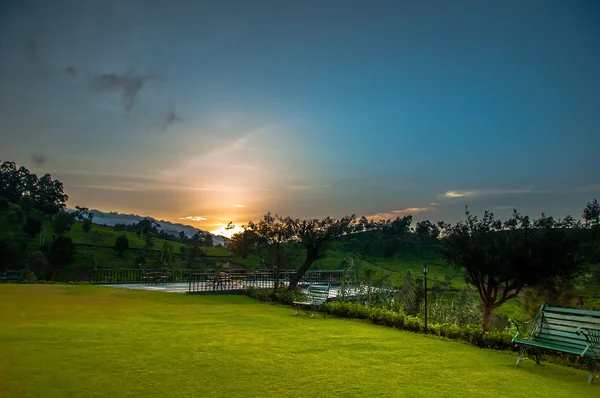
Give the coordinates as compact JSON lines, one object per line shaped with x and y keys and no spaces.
{"x":318,"y":293}
{"x":11,"y":274}
{"x":558,"y":326}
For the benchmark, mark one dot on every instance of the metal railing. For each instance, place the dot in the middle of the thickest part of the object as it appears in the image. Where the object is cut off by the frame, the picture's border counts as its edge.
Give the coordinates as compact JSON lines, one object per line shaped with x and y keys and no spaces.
{"x":114,"y":276}
{"x":206,"y":282}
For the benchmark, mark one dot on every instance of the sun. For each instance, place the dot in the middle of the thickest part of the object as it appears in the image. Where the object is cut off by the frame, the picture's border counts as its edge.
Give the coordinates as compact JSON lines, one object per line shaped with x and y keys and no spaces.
{"x":228,"y":233}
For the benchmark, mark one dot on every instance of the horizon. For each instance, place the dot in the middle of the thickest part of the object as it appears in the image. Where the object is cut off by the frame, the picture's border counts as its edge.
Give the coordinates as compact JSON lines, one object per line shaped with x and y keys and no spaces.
{"x":214,"y":112}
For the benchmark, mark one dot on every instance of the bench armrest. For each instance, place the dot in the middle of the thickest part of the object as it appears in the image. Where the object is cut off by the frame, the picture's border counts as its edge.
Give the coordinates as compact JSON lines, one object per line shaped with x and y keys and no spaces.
{"x":525,"y":330}
{"x":592,"y":337}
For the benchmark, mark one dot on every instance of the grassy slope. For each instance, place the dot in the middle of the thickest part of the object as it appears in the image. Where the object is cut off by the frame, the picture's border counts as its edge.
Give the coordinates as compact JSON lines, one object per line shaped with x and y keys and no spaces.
{"x":85,"y":257}
{"x":400,"y":264}
{"x":99,"y":342}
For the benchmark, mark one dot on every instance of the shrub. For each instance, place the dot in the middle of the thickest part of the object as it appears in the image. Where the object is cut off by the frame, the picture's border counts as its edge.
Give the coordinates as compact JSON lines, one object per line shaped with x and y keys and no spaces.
{"x":4,"y":203}
{"x":287,"y":297}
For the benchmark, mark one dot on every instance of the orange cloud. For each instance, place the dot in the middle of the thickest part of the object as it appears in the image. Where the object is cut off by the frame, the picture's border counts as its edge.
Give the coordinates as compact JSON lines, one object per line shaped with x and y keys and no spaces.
{"x":193,"y":218}
{"x":455,"y":194}
{"x":402,"y":213}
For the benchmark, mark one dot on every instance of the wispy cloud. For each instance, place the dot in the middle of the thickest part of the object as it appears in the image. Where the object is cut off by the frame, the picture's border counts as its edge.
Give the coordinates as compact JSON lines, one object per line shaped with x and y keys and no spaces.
{"x":238,"y":205}
{"x":456,"y":194}
{"x":128,"y":86}
{"x":491,"y":192}
{"x":589,"y":188}
{"x":192,"y":218}
{"x":306,"y":187}
{"x":402,"y":212}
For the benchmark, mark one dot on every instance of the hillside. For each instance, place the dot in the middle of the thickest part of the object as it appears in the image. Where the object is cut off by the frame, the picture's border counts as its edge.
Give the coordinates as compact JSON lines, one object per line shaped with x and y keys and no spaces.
{"x":112,"y":218}
{"x":93,"y":249}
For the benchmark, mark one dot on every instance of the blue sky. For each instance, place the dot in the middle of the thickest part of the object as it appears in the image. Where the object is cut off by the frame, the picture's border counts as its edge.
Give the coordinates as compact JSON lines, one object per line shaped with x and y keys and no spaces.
{"x":181,"y":109}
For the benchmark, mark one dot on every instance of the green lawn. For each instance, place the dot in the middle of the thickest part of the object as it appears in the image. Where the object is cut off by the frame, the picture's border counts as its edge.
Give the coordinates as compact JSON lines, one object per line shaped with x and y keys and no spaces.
{"x":86,"y":341}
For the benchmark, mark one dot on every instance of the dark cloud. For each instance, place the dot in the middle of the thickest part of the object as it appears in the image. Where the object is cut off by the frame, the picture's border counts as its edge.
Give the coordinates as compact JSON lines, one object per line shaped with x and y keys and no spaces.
{"x":38,"y":159}
{"x":70,"y":70}
{"x":171,"y":118}
{"x":128,"y":85}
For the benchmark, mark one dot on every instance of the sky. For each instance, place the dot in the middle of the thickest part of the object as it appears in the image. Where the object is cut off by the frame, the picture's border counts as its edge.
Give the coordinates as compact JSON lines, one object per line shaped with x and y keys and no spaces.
{"x":205,"y":112}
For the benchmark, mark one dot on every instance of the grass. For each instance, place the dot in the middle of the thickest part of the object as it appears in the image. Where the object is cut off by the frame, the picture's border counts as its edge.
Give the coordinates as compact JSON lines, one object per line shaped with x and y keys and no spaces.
{"x":86,"y":341}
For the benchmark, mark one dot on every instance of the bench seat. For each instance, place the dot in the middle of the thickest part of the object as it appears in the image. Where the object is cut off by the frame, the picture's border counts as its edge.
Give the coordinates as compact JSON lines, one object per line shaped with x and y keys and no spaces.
{"x":317,"y":296}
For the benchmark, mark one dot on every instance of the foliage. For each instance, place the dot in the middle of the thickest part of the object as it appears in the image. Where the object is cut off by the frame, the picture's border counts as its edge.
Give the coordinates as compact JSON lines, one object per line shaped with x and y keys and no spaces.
{"x":62,"y":222}
{"x":268,"y":240}
{"x":259,"y":294}
{"x":61,"y":252}
{"x":32,"y":225}
{"x":501,"y":259}
{"x":8,"y":253}
{"x":315,"y":237}
{"x":122,"y":244}
{"x":17,"y":184}
{"x":461,"y":312}
{"x":555,"y":290}
{"x":427,"y":231}
{"x":37,"y":263}
{"x":591,"y":213}
{"x":165,"y":258}
{"x":87,"y":225}
{"x":4,"y":203}
{"x":406,"y":296}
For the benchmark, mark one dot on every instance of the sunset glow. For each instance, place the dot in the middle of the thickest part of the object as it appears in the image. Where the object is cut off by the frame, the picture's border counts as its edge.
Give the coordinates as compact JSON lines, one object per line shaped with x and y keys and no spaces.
{"x":228,"y":233}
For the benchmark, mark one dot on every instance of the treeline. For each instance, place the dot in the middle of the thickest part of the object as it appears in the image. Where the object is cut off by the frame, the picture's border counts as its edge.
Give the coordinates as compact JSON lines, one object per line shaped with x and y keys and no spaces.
{"x":28,"y":203}
{"x":386,"y":238}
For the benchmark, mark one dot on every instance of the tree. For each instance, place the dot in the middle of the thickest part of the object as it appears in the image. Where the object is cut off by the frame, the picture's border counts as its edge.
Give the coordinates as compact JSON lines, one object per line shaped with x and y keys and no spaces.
{"x":61,"y":253}
{"x":32,"y":226}
{"x":8,"y":253}
{"x":501,"y":259}
{"x":591,"y":214}
{"x":87,"y":225}
{"x":121,"y":245}
{"x":427,"y":232}
{"x":37,"y":263}
{"x":49,"y":195}
{"x":406,"y":296}
{"x":147,"y":225}
{"x":18,"y":184}
{"x":208,"y":240}
{"x":315,"y":237}
{"x":85,"y":215}
{"x":62,"y":222}
{"x":164,"y":259}
{"x":267,"y":239}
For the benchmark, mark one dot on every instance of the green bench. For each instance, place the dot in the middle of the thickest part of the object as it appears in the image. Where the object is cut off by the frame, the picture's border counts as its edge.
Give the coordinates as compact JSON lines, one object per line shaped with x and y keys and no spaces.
{"x":316,"y":297}
{"x":564,"y":330}
{"x":12,"y":275}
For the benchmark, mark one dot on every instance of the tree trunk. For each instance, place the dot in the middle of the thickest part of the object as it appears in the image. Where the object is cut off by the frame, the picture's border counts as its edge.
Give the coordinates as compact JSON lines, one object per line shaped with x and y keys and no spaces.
{"x":311,"y":256}
{"x":487,"y":315}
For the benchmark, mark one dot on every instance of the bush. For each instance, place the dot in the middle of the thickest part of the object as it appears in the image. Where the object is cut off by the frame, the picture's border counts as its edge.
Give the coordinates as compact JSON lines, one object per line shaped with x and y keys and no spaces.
{"x":287,"y":297}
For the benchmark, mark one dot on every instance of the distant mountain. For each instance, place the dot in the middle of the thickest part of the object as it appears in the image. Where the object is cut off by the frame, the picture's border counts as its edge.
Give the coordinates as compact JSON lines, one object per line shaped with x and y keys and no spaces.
{"x":113,"y":218}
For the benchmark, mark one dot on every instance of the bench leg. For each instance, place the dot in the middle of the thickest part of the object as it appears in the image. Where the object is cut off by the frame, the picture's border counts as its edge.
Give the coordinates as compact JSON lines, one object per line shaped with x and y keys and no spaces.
{"x":524,"y":354}
{"x":297,"y":310}
{"x":593,"y":365}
